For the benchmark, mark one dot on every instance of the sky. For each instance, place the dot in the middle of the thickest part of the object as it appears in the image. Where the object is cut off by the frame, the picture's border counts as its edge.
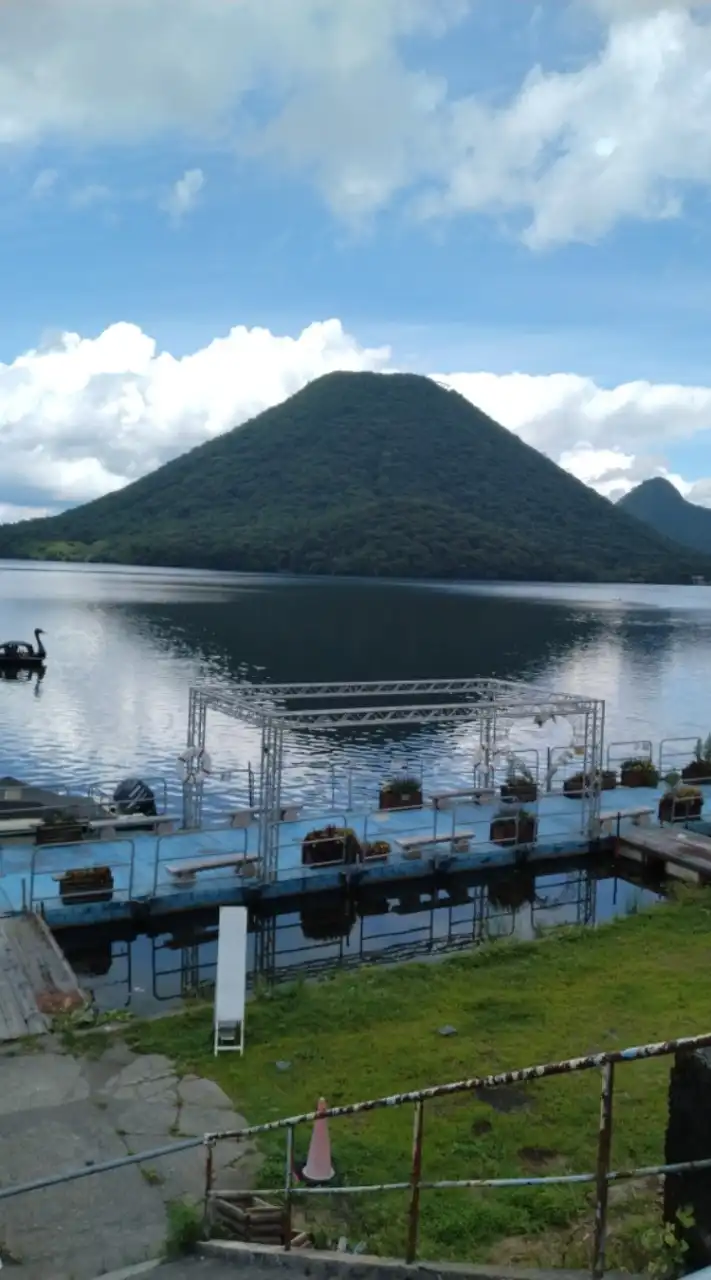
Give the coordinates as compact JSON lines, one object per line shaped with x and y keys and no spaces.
{"x":204,"y":204}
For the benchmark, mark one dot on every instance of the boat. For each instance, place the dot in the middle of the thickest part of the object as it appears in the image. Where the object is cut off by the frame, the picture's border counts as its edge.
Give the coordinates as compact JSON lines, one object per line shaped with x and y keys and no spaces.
{"x":22,"y":654}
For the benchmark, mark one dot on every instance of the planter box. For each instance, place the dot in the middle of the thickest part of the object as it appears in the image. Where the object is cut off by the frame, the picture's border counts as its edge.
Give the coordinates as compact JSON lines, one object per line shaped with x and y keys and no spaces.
{"x":671,"y":810}
{"x":377,"y":851}
{"x":696,"y":771}
{"x":330,"y":845}
{"x":511,"y":831}
{"x":87,"y":884}
{"x":60,"y":833}
{"x":524,"y":792}
{"x":573,"y":787}
{"x":639,"y":778}
{"x":400,"y":800}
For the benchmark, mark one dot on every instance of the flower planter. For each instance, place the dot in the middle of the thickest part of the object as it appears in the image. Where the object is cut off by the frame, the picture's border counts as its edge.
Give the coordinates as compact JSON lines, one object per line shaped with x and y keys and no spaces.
{"x":87,"y":884}
{"x":330,"y":845}
{"x":696,"y":771}
{"x":635,"y":776}
{"x":396,"y":799}
{"x":683,"y":809}
{"x":575,"y":786}
{"x":60,"y":833}
{"x":377,"y":851}
{"x":513,"y":830}
{"x":521,"y":789}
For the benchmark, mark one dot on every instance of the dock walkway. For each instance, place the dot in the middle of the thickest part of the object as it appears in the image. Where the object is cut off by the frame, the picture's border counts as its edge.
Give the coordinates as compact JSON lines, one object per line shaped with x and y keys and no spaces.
{"x":684,"y":854}
{"x":36,"y":982}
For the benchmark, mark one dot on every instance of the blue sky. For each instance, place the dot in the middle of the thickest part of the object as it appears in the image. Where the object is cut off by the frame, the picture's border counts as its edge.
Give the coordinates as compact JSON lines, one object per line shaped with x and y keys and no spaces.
{"x":486,"y":190}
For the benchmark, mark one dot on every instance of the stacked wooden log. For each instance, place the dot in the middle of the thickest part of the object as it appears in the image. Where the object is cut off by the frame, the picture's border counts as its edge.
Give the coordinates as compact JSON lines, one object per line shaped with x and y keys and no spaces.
{"x":243,"y":1216}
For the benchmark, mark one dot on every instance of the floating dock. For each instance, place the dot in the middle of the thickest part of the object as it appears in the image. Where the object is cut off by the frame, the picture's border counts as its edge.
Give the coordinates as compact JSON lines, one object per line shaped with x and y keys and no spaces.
{"x":254,"y":846}
{"x":36,"y":982}
{"x":678,"y":854}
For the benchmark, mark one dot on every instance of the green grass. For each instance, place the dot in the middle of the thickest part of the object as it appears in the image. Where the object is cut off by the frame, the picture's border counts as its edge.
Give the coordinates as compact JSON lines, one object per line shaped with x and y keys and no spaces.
{"x":512,"y":1004}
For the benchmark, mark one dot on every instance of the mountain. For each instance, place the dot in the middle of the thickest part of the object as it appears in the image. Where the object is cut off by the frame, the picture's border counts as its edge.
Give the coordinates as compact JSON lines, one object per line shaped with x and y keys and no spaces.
{"x":362,"y":473}
{"x":662,"y":507}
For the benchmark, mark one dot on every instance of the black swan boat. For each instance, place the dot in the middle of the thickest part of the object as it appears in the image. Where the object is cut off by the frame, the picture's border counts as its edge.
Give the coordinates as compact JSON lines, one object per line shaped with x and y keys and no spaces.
{"x":22,"y":654}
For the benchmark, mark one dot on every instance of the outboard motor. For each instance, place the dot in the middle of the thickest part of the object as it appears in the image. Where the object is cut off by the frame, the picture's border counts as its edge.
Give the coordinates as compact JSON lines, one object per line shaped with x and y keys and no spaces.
{"x":135,"y":797}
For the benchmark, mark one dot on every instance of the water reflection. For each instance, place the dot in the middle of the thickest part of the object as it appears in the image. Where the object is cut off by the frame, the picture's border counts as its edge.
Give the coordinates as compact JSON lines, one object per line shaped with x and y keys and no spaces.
{"x":422,"y":920}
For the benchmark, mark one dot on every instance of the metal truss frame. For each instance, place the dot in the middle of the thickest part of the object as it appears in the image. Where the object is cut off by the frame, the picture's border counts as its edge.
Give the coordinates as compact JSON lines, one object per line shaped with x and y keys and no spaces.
{"x":482,"y":702}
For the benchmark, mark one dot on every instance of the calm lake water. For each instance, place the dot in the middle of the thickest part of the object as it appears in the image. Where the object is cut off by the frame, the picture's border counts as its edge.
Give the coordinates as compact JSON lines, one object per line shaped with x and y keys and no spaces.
{"x":125,"y":645}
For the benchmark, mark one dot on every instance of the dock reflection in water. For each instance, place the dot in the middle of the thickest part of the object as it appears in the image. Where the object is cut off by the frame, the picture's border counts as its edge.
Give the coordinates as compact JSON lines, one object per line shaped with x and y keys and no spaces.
{"x":144,"y":971}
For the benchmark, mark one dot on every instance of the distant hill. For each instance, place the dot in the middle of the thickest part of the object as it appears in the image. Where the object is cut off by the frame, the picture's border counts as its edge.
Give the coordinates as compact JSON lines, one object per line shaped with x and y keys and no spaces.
{"x":359,"y":473}
{"x":662,"y":507}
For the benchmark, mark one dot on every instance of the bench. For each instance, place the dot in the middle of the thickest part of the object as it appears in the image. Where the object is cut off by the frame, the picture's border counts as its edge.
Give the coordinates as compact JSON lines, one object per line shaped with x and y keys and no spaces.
{"x":639,"y":816}
{"x":413,"y":845}
{"x":245,"y":817}
{"x":479,"y":795}
{"x":185,"y":872}
{"x":107,"y":828}
{"x":20,"y":826}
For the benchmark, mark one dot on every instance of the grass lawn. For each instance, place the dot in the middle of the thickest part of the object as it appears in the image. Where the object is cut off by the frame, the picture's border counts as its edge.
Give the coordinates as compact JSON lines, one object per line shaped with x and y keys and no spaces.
{"x":355,"y":1036}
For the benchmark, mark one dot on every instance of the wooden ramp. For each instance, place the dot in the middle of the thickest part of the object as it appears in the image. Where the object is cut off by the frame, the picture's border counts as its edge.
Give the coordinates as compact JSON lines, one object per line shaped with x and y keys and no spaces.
{"x":36,"y":982}
{"x":684,"y":854}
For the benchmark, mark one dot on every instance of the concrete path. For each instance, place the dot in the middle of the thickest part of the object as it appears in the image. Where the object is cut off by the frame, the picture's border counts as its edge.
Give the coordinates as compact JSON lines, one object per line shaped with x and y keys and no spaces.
{"x":60,"y":1112}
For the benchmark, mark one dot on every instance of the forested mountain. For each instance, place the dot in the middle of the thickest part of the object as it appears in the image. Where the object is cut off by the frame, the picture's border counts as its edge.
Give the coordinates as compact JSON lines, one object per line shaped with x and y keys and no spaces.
{"x":662,"y":507}
{"x":361,"y":473}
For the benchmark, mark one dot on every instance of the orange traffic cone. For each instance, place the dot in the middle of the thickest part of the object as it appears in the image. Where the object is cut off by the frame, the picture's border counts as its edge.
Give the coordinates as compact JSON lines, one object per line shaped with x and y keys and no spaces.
{"x":318,"y":1167}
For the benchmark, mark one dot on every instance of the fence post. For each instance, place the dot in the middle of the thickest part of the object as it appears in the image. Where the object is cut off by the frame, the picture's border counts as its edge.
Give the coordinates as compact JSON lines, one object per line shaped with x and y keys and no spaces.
{"x":604,"y":1149}
{"x":209,"y":1147}
{"x":415,"y":1177}
{"x":288,"y":1172}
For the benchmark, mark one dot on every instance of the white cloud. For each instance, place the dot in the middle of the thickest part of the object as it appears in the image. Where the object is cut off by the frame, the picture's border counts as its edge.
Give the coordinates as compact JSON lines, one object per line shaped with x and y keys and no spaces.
{"x":340,"y":91}
{"x":80,"y":417}
{"x":89,"y":195}
{"x":184,"y":194}
{"x":45,"y":180}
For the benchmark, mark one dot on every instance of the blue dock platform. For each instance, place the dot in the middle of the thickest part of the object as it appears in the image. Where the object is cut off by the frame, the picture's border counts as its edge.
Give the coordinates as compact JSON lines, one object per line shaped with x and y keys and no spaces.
{"x":146,"y":887}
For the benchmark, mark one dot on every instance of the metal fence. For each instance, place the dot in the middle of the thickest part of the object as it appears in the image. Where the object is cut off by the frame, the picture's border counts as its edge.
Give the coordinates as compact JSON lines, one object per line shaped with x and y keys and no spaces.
{"x":600,"y":1178}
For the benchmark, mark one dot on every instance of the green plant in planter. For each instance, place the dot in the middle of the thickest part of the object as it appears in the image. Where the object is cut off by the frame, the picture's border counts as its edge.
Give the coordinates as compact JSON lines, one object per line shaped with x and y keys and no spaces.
{"x":579,"y":784}
{"x":638,"y":771}
{"x":520,"y":785}
{"x":376,"y":851}
{"x":681,"y":803}
{"x":60,"y":827}
{"x":699,"y":769}
{"x":330,"y":844}
{"x":513,"y":826}
{"x":401,"y":793}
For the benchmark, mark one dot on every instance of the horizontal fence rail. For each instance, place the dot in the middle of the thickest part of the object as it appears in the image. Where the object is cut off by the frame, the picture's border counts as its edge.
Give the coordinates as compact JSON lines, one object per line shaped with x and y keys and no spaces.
{"x":415,"y":1184}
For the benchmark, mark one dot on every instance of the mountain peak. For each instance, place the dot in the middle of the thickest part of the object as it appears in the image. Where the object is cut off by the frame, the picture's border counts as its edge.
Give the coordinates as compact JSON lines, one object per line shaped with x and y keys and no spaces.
{"x":661,"y":507}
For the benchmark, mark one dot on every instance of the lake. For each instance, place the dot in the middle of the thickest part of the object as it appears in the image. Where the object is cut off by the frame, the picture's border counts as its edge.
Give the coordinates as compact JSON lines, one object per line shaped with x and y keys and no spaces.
{"x":125,"y":645}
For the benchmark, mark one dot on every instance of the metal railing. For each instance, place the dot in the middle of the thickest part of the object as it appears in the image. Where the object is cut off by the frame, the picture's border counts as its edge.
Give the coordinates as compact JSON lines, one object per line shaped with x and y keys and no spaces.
{"x":601,"y":1177}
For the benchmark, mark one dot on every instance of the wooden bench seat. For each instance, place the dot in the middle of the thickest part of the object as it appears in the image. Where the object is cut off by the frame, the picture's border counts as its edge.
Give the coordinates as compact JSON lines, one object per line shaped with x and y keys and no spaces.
{"x":106,"y":827}
{"x":20,"y":826}
{"x":478,"y":795}
{"x":245,"y":817}
{"x":242,"y":863}
{"x":413,"y":845}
